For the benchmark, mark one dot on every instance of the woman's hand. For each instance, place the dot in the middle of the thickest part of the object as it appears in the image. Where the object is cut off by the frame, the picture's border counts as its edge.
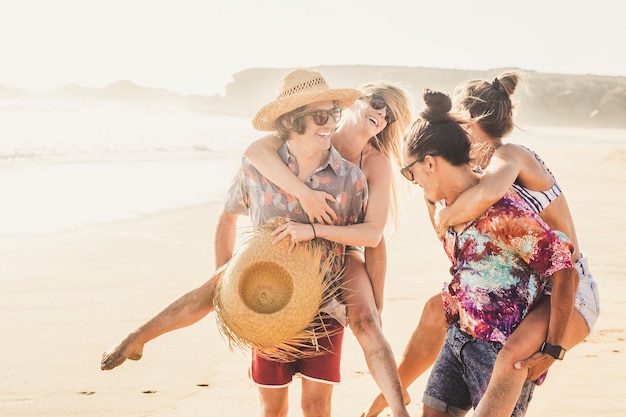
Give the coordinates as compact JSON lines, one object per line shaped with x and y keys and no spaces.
{"x":297,"y":232}
{"x":315,"y":205}
{"x":441,"y":220}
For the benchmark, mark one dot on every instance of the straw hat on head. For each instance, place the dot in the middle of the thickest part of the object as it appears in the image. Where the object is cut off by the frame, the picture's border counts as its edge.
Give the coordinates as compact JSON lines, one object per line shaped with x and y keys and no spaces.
{"x":299,"y":88}
{"x":269,"y":299}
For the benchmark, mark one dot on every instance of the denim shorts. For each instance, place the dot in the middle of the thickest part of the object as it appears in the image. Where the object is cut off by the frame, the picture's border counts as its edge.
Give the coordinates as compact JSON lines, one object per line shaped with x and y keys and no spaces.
{"x":461,"y":373}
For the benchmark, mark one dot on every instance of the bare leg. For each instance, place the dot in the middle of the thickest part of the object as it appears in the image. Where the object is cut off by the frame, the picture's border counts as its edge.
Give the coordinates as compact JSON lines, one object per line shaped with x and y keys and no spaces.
{"x":274,"y":402}
{"x":184,"y":311}
{"x":420,"y":352}
{"x":364,"y":320}
{"x":316,"y":398}
{"x":506,"y":382}
{"x":376,"y":265}
{"x":431,"y":412}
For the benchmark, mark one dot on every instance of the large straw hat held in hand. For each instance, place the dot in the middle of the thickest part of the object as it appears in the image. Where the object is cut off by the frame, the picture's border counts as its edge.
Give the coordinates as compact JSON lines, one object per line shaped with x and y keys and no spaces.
{"x":299,"y":88}
{"x":270,"y":299}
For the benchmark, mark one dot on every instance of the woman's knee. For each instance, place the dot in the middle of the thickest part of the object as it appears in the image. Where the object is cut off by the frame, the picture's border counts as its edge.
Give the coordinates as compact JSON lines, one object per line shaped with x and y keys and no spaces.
{"x":513,"y":352}
{"x":363,"y":319}
{"x":361,"y":306}
{"x":433,"y":313}
{"x":577,"y":331}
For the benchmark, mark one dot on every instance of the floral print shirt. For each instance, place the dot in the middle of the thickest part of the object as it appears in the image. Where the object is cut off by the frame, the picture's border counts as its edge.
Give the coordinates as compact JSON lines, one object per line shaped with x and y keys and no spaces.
{"x":500,"y":264}
{"x":254,"y":195}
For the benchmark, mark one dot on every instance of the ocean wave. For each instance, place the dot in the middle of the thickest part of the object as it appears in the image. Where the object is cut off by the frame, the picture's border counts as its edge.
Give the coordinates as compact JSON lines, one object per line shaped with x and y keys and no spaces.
{"x":85,"y":132}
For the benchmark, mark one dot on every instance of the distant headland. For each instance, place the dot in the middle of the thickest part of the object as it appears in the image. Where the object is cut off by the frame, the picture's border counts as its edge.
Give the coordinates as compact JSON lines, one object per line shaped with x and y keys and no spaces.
{"x":545,"y":98}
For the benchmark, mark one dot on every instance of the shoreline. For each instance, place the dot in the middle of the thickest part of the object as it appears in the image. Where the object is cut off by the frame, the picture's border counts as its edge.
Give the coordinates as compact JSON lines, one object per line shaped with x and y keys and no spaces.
{"x":69,"y":192}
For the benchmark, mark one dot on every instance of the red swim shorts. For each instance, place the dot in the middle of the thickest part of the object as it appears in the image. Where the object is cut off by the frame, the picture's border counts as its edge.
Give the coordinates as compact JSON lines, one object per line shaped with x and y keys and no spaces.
{"x":324,"y":367}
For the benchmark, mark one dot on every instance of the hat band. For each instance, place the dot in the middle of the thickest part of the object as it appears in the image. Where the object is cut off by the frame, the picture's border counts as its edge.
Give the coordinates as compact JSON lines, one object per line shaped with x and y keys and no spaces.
{"x":313,"y":84}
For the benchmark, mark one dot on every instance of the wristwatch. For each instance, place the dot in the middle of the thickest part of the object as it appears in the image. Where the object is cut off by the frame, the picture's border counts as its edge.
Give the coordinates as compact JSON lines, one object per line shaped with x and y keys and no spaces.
{"x":557,"y":352}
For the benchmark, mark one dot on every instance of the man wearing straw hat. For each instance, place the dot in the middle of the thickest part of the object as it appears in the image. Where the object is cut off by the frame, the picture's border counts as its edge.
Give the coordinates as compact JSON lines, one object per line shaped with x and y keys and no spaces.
{"x":304,"y":114}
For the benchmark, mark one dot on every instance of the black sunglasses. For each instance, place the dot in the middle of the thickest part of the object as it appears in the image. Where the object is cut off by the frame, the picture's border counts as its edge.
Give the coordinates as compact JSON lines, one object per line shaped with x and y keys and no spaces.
{"x":320,"y":117}
{"x":379,"y":103}
{"x":406,"y":170}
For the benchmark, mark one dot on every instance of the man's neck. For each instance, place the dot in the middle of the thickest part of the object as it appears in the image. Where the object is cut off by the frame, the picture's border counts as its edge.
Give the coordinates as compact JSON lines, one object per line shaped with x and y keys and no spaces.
{"x":308,"y":158}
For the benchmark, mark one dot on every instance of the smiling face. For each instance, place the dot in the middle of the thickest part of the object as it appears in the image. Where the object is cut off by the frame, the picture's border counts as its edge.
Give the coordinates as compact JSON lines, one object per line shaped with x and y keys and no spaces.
{"x":373,"y":120}
{"x":423,"y":172}
{"x":410,"y":169}
{"x":319,"y":135}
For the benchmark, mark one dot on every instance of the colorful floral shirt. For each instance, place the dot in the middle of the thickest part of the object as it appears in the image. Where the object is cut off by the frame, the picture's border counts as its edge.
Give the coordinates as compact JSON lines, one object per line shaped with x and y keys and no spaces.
{"x":500,"y":265}
{"x":254,"y":195}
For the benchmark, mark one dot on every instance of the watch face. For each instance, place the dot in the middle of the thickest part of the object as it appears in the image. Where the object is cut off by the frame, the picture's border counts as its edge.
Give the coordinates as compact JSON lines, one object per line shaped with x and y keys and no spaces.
{"x":557,"y":352}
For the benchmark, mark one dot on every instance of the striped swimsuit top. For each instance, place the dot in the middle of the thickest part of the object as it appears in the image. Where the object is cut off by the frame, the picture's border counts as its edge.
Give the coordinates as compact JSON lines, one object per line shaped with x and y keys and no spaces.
{"x":539,"y":200}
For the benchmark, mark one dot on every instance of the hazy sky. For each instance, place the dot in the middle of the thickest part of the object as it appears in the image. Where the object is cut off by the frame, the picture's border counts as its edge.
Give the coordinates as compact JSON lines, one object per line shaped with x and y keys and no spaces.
{"x":194,"y":46}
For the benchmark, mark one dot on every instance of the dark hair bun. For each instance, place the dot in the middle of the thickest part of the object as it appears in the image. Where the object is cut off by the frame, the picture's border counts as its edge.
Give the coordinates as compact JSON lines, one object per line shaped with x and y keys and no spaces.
{"x":438,"y":106}
{"x":507,"y":82}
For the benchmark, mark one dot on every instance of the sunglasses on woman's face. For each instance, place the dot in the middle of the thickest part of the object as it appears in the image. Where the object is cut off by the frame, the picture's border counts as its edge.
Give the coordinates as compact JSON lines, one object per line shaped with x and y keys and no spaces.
{"x":379,"y":103}
{"x":320,"y":117}
{"x":406,"y":170}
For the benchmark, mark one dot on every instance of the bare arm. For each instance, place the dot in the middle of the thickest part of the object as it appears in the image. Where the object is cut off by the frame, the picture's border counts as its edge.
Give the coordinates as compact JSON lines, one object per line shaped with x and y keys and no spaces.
{"x":225,"y":237}
{"x":433,"y":210}
{"x":368,"y":233}
{"x":262,"y":154}
{"x":565,"y":284}
{"x":497,"y":179}
{"x":562,"y":300}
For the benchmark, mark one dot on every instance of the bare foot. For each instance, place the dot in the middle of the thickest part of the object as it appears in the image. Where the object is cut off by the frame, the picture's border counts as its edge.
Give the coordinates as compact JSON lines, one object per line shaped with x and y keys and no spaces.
{"x":128,"y":348}
{"x":379,"y":404}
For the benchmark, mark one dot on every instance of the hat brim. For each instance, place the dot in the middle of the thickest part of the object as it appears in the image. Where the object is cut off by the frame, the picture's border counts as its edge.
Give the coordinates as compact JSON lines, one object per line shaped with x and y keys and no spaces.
{"x":293,"y":291}
{"x":267,"y":115}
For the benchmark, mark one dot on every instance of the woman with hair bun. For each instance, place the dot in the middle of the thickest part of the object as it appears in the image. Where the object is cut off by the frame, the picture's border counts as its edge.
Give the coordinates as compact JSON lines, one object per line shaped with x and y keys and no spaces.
{"x":490,"y":111}
{"x":495,"y":281}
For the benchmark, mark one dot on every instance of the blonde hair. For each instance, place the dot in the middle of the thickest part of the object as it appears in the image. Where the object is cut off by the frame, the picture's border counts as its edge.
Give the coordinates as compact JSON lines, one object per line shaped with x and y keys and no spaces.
{"x":390,"y":140}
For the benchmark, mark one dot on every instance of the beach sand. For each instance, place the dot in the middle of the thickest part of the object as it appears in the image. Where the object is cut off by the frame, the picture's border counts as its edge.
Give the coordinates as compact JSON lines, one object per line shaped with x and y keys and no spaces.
{"x":67,"y":297}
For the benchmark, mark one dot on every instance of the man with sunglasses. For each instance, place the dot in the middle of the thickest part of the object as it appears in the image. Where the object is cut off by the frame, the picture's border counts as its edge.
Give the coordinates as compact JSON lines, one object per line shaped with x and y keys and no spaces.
{"x":370,"y":136}
{"x":304,"y":115}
